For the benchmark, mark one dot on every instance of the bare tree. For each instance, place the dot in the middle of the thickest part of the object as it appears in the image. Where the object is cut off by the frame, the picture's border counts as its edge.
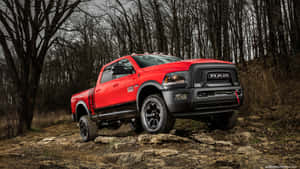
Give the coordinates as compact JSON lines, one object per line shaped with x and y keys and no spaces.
{"x":27,"y":30}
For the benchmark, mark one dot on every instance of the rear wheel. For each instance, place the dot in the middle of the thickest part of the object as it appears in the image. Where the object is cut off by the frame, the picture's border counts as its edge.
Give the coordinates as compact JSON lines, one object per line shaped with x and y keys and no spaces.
{"x":224,"y":121}
{"x":155,"y":117}
{"x":88,"y":128}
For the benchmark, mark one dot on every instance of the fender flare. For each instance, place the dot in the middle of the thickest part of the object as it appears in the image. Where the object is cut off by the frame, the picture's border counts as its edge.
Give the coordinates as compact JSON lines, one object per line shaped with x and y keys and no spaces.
{"x":85,"y":107}
{"x":146,"y":84}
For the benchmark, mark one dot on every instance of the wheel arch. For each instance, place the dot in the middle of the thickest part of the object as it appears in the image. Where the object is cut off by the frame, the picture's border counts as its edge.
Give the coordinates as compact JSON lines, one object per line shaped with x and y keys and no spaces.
{"x":147,"y":88}
{"x":81,"y":110}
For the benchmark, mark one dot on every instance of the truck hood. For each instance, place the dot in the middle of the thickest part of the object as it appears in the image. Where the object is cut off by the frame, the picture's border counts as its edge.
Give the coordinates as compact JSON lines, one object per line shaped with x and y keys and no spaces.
{"x":182,"y":65}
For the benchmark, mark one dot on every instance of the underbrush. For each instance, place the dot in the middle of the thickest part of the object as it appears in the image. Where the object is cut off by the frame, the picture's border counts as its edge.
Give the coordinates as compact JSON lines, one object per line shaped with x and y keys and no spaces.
{"x":272,"y":93}
{"x":9,"y":122}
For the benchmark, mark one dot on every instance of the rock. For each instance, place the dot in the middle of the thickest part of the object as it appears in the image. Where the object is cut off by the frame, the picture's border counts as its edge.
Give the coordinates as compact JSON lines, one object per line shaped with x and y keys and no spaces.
{"x":125,"y":157}
{"x":128,"y":140}
{"x":254,"y":117}
{"x":46,"y":140}
{"x":203,"y":138}
{"x":162,"y":152}
{"x":257,"y":124}
{"x":105,"y":140}
{"x":82,"y":145}
{"x":241,"y":138}
{"x":156,"y":163}
{"x":263,"y":139}
{"x":131,"y":157}
{"x":49,"y":139}
{"x":62,"y":141}
{"x":160,"y":139}
{"x":241,"y":119}
{"x":254,"y":129}
{"x":247,"y":150}
{"x":144,"y":138}
{"x":122,"y":145}
{"x":192,"y":151}
{"x":226,"y":148}
{"x":223,"y":143}
{"x":225,"y":167}
{"x":173,"y":131}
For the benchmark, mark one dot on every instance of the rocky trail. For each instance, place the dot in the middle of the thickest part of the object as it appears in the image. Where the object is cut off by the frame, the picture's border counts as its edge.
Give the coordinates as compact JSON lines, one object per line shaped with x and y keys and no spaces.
{"x":251,"y":144}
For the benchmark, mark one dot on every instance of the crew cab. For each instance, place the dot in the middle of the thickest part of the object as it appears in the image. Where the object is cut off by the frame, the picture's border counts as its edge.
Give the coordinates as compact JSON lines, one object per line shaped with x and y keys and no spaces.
{"x":151,"y":90}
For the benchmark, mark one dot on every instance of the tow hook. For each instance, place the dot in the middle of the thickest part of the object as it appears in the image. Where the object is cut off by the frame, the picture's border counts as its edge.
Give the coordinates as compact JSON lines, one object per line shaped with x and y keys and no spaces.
{"x":237,"y":97}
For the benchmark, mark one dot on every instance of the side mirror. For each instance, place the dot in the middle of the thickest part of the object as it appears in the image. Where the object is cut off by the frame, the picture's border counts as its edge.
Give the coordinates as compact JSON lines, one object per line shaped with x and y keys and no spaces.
{"x":121,"y":70}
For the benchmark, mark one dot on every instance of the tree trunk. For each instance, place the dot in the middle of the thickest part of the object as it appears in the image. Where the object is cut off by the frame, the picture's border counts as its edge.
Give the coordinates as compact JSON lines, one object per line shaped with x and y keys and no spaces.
{"x":273,"y":11}
{"x":225,"y":16}
{"x":175,"y":30}
{"x":160,"y":30}
{"x":26,"y":102}
{"x":296,"y":4}
{"x":257,"y":8}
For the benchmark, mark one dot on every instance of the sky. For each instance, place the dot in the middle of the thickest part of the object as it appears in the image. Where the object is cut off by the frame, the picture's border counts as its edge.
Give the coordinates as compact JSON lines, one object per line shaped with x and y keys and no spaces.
{"x":90,"y":7}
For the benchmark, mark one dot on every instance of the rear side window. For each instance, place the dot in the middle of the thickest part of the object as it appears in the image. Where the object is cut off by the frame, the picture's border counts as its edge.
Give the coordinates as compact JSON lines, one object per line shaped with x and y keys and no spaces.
{"x":107,"y":75}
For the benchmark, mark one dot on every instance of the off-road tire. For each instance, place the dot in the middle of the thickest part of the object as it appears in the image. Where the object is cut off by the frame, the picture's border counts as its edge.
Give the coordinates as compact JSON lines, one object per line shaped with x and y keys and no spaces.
{"x":225,"y":121}
{"x":154,"y":111}
{"x":88,"y":128}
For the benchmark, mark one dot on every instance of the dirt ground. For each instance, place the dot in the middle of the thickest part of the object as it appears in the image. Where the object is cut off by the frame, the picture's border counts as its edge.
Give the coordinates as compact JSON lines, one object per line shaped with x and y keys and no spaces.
{"x":253,"y":143}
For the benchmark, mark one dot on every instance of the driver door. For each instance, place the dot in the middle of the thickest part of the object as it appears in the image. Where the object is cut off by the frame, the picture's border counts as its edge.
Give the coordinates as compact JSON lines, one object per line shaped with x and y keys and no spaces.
{"x":116,"y":86}
{"x":127,"y":89}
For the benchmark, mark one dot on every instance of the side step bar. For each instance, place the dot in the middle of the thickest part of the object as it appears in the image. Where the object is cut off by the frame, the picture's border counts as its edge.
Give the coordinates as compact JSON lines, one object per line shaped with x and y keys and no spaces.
{"x":115,"y":115}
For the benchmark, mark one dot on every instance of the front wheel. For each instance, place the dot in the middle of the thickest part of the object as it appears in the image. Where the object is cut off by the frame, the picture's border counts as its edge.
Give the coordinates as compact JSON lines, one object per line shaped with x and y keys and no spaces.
{"x":155,"y":117}
{"x":88,"y":128}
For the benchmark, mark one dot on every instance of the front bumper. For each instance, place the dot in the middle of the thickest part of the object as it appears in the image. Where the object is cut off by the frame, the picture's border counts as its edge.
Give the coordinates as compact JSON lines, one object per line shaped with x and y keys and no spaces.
{"x":203,"y":101}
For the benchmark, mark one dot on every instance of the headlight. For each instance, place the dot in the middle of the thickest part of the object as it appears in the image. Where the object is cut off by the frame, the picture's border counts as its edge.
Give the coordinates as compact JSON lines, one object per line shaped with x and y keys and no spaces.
{"x":175,"y":78}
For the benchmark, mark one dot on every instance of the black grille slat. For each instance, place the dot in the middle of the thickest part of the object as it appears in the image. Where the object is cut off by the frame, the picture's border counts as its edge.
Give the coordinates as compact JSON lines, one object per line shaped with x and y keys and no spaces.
{"x":200,"y":74}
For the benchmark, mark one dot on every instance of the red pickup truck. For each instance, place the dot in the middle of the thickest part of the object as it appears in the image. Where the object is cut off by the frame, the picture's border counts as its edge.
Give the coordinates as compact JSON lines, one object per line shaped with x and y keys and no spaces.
{"x":150,"y":91}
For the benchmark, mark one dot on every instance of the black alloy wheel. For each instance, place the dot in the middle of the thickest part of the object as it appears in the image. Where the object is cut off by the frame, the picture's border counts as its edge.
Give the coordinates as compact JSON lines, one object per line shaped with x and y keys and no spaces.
{"x":83,"y":129}
{"x":155,"y":116}
{"x":88,"y":128}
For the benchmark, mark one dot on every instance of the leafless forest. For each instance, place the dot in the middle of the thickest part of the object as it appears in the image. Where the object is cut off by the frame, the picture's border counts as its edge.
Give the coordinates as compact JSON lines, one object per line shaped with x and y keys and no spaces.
{"x":52,"y":49}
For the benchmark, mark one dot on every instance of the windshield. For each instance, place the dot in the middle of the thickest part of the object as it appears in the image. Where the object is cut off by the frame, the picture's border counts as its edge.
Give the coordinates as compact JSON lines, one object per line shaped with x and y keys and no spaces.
{"x":151,"y":60}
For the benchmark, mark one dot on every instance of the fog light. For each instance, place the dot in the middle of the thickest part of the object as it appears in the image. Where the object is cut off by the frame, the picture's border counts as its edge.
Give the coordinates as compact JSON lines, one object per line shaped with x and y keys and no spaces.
{"x":180,"y":96}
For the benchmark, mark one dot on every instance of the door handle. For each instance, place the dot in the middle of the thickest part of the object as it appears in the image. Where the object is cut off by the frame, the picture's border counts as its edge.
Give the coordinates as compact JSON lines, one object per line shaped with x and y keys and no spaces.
{"x":116,"y":85}
{"x":98,"y":90}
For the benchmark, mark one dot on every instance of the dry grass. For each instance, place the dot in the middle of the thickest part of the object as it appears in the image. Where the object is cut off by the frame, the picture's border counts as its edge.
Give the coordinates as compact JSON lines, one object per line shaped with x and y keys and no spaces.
{"x":271,"y":94}
{"x":47,"y":119}
{"x":8,"y":124}
{"x":266,"y":87}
